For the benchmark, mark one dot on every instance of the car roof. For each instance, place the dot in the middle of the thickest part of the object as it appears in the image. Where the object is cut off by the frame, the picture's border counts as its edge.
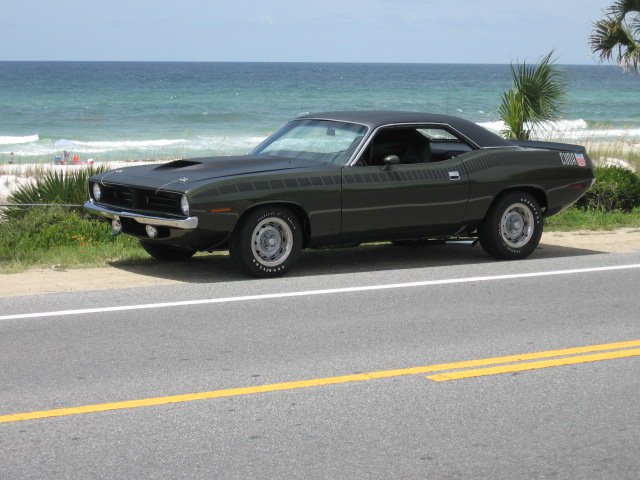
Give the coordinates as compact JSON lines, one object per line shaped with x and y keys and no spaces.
{"x":380,"y":118}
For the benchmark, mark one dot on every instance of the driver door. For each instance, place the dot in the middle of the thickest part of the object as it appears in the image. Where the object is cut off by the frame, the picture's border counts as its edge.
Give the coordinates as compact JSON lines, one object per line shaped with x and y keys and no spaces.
{"x":420,"y":196}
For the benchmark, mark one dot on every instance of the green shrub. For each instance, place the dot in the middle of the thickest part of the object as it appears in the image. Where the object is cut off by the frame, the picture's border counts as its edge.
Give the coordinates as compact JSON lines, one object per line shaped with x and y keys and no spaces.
{"x":616,"y":188}
{"x":43,"y":228}
{"x":69,"y":188}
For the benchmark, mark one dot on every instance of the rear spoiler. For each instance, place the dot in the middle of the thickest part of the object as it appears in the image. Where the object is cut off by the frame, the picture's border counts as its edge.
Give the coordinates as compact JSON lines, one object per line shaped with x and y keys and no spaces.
{"x":561,"y":147}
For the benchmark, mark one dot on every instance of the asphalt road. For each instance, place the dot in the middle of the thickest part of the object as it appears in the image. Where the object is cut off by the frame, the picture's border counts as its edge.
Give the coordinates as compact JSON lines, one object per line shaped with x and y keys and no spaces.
{"x":579,"y":421}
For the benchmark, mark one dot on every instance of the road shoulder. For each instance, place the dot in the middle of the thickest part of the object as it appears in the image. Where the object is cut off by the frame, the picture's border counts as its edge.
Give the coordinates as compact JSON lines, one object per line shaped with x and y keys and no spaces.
{"x":55,"y":279}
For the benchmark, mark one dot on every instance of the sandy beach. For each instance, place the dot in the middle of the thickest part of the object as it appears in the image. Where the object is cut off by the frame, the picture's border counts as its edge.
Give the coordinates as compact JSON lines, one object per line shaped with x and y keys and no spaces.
{"x":13,"y":176}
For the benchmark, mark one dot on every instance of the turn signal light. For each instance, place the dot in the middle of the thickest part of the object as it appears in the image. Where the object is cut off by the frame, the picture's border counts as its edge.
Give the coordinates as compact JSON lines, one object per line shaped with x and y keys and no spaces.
{"x":152,"y":231}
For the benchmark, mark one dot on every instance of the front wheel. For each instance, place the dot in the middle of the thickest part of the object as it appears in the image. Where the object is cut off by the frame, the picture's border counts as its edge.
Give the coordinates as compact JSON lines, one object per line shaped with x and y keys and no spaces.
{"x":267,"y":242}
{"x":512,"y":228}
{"x":167,"y":252}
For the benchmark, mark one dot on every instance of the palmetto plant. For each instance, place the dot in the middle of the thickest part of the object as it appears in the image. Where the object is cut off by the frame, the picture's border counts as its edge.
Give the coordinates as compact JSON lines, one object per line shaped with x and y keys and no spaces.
{"x":537,"y":95}
{"x":69,"y":188}
{"x":618,"y":34}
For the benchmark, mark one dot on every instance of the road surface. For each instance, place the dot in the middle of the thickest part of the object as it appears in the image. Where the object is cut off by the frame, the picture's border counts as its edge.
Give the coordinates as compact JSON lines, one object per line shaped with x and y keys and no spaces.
{"x":471,"y":369}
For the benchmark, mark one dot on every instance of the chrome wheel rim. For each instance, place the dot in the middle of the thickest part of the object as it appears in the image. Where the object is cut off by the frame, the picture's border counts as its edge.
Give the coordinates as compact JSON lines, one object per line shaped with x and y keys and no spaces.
{"x":271,"y":242}
{"x":517,"y":225}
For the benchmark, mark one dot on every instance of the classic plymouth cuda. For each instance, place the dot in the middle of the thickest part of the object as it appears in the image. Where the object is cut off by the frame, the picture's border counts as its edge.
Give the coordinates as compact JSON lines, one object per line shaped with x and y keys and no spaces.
{"x":339,"y":178}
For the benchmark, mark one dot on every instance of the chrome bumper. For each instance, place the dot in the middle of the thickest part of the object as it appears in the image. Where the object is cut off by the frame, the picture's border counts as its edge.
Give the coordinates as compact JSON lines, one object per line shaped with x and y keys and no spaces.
{"x":188,"y":223}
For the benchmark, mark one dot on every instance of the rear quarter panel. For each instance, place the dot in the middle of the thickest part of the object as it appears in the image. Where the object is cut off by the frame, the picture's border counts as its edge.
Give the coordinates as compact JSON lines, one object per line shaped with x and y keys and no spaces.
{"x":493,"y":171}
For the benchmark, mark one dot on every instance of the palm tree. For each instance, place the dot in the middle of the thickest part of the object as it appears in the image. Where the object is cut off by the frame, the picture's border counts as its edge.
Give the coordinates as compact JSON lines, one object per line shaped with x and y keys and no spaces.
{"x":537,"y":95}
{"x":618,"y":33}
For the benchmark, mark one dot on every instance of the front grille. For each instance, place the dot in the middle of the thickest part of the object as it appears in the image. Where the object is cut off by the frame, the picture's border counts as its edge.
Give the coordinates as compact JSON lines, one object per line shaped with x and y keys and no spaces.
{"x":142,"y":199}
{"x":162,"y":201}
{"x":120,"y":196}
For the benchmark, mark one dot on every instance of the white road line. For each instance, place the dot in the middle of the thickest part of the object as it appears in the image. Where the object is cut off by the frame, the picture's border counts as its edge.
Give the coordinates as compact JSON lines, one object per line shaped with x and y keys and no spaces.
{"x":306,"y":293}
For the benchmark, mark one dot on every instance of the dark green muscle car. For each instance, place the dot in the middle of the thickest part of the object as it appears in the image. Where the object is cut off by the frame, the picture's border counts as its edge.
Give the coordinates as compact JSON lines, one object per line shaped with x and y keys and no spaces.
{"x":343,"y":178}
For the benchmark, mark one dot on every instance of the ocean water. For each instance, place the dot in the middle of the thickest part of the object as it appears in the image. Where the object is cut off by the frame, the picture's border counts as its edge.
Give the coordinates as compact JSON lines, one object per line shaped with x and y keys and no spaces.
{"x":125,"y":110}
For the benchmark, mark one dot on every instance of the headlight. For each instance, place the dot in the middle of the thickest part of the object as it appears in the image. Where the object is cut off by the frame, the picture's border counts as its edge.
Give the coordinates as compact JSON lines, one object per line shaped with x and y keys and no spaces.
{"x":97,"y":193}
{"x":184,"y":205}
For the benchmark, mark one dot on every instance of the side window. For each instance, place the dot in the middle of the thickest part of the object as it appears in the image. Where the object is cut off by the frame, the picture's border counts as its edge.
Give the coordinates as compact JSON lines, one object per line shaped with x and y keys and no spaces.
{"x":413,"y":145}
{"x":406,"y":143}
{"x":444,"y":143}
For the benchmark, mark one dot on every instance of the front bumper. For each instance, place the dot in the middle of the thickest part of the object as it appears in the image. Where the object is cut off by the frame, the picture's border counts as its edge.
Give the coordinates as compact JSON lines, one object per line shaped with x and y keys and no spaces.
{"x":189,"y":223}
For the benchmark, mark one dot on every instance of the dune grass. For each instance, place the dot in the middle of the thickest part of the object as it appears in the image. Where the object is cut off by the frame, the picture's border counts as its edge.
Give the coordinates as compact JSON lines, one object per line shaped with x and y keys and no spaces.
{"x":44,"y":237}
{"x":606,"y":153}
{"x":575,"y":219}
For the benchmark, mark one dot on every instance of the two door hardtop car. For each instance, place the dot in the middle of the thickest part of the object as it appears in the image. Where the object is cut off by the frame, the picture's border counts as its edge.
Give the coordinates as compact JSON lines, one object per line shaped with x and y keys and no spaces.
{"x":343,"y":178}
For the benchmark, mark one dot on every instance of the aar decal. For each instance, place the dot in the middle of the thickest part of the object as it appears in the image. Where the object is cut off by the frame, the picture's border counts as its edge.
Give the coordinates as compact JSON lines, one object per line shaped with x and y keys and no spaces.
{"x":573,"y":159}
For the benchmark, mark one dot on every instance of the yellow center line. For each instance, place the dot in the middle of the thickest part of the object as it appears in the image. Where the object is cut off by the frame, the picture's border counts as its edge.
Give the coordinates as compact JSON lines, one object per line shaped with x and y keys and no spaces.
{"x":317,"y":382}
{"x":520,"y":367}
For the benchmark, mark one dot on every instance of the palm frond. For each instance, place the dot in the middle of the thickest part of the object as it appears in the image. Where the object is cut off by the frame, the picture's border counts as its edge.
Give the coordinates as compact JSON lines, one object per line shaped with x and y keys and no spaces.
{"x":616,"y":35}
{"x":511,"y":112}
{"x":542,"y":89}
{"x":621,"y":8}
{"x":55,"y":187}
{"x":537,"y":95}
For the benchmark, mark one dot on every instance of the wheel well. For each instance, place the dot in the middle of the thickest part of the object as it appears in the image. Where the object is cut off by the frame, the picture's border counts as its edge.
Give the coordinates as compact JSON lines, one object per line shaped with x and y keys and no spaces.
{"x":297,"y":210}
{"x":538,"y":194}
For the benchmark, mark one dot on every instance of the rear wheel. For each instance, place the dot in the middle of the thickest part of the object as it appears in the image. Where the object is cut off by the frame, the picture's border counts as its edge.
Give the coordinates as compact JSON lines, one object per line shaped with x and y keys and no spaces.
{"x":513,"y":227}
{"x":167,"y":252}
{"x":268,"y":242}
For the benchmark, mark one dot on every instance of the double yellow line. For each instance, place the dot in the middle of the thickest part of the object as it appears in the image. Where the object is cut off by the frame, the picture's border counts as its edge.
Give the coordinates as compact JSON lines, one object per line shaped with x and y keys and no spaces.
{"x":570,"y":356}
{"x":452,"y":371}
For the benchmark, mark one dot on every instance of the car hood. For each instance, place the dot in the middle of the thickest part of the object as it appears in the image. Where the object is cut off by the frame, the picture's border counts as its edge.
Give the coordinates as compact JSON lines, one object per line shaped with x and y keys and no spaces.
{"x":187,"y":171}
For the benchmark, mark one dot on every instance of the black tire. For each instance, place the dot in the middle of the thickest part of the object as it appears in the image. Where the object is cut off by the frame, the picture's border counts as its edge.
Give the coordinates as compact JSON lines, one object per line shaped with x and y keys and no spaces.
{"x":167,"y":252}
{"x":267,"y":242}
{"x":513,"y":227}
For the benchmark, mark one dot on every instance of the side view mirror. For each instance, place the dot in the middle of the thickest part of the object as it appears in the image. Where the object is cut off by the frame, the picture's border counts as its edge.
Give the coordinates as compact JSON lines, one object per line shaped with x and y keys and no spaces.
{"x":390,"y":160}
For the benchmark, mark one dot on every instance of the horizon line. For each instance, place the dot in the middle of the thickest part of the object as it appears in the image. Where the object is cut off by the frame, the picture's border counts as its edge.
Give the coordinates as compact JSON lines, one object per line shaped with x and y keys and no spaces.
{"x":598,"y":64}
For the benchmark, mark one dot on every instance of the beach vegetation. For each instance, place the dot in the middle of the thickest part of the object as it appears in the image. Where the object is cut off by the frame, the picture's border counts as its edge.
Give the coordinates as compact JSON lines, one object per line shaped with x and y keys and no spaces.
{"x":537,"y":95}
{"x":592,"y":220}
{"x":617,"y":35}
{"x":622,"y":153}
{"x":54,"y":187}
{"x":57,"y":236}
{"x":616,"y":189}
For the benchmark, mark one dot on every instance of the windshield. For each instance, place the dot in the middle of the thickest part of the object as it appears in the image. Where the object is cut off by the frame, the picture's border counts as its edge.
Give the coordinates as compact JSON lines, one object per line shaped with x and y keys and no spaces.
{"x":322,"y":140}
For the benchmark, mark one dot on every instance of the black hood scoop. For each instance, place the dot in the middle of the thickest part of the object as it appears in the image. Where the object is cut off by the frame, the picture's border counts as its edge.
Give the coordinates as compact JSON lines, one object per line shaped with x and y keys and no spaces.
{"x":177,"y":164}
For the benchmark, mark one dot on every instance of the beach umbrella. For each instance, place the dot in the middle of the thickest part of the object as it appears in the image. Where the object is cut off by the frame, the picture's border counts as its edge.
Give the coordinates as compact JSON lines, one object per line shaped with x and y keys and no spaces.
{"x":63,"y":143}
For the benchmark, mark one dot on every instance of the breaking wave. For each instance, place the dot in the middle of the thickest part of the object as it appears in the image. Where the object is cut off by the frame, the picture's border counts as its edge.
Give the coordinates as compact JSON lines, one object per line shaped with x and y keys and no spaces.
{"x":11,"y":140}
{"x":571,"y":130}
{"x":38,"y":149}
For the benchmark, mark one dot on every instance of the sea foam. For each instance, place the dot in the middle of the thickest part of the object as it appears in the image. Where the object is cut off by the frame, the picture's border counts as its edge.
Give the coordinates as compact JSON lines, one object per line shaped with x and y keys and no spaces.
{"x":126,"y":144}
{"x":13,"y":140}
{"x":46,"y":149}
{"x":570,"y":130}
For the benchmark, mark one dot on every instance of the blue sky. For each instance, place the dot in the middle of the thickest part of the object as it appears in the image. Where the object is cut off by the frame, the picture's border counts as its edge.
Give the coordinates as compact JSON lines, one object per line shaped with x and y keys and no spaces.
{"x":462,"y":31}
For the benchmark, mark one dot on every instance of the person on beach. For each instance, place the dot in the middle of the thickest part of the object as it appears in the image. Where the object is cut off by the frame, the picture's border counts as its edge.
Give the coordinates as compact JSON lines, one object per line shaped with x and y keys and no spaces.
{"x":11,"y":157}
{"x":76,"y":159}
{"x":65,"y":157}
